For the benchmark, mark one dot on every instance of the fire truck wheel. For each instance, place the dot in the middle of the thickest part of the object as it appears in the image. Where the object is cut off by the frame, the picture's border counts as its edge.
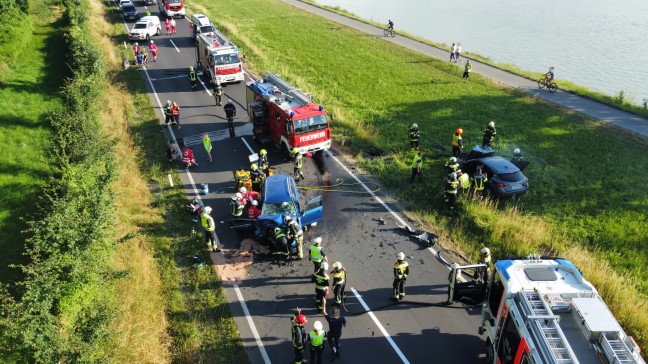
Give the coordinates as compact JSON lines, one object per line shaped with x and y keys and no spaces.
{"x":489,"y":351}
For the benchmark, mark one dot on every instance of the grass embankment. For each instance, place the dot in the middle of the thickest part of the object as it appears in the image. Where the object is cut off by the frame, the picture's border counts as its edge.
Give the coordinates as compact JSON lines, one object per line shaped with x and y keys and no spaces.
{"x":586,"y":202}
{"x":29,"y":79}
{"x":621,"y":101}
{"x":198,"y":320}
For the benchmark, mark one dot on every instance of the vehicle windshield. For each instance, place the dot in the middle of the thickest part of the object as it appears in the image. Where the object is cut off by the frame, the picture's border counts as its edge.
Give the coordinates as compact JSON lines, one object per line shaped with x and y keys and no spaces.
{"x":279,"y":208}
{"x":511,"y":177}
{"x":129,"y":7}
{"x":226,"y":59}
{"x":310,"y":124}
{"x":207,"y":29}
{"x":140,"y":26}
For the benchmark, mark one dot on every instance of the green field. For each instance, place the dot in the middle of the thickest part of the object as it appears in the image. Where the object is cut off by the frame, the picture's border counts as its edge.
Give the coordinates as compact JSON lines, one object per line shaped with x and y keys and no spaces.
{"x":29,"y":83}
{"x":586,"y":177}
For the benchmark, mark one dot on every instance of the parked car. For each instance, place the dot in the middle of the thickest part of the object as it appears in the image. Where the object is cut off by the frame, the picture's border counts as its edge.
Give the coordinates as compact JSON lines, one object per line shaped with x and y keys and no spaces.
{"x":150,"y":2}
{"x":129,"y":12}
{"x":504,"y":178}
{"x":121,"y":3}
{"x":145,"y":28}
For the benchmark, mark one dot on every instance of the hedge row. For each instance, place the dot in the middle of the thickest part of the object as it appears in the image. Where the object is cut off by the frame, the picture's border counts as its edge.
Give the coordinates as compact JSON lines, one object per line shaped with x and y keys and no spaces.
{"x":62,"y":309}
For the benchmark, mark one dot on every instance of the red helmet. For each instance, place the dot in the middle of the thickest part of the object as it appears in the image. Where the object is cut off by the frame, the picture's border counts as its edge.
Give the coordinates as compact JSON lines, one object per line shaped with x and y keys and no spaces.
{"x":300,"y":319}
{"x":459,"y":131}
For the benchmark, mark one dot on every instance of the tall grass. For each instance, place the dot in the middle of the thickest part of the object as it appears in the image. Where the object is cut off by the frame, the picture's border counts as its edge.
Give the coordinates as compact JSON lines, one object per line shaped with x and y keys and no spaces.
{"x":585,"y":176}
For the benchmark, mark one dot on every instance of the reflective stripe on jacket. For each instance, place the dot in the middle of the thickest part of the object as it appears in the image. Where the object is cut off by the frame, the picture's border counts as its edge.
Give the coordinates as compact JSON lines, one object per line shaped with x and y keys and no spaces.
{"x":207,"y":222}
{"x":317,"y":339}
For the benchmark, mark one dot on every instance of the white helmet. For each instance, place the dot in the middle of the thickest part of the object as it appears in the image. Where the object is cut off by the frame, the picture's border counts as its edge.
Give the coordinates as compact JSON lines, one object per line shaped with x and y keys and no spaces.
{"x":324,"y":266}
{"x":491,"y":124}
{"x":234,"y":198}
{"x":243,"y":190}
{"x":453,"y":160}
{"x":239,"y":195}
{"x":136,"y":43}
{"x":415,"y":126}
{"x":208,"y":209}
{"x":337,"y":265}
{"x":317,"y":240}
{"x":517,"y":151}
{"x":485,"y":251}
{"x":255,"y":203}
{"x":318,"y":326}
{"x":152,"y":42}
{"x":400,"y":256}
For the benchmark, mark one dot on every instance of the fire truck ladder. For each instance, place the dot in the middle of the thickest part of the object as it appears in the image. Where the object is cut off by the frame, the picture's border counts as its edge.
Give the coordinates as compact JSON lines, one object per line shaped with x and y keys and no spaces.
{"x":616,"y":350}
{"x":544,"y":324}
{"x":286,"y":88}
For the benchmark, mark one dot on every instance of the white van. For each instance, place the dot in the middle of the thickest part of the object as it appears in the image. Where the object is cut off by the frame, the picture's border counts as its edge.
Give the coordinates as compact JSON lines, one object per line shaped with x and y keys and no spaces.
{"x":145,"y":28}
{"x":200,"y":24}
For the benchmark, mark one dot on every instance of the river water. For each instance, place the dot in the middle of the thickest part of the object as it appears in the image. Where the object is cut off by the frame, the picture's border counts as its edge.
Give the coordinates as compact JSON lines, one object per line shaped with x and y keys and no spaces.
{"x":601,"y":44}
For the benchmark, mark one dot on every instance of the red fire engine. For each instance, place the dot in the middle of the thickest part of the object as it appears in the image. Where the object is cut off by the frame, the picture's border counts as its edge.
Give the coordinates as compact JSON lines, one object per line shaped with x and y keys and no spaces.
{"x":218,"y":58}
{"x":286,"y":116}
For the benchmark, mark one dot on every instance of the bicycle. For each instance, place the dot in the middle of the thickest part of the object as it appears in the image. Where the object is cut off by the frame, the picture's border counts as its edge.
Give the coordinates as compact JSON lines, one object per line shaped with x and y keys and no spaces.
{"x":551,"y":86}
{"x":389,"y":32}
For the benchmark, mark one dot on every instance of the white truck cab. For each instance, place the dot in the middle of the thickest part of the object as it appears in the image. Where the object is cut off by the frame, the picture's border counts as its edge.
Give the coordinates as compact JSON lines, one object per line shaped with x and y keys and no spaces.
{"x":200,"y":24}
{"x":145,"y":28}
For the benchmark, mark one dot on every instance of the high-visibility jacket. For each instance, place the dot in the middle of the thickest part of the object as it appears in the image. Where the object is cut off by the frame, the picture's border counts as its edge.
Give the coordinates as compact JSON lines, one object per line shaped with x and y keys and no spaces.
{"x":218,"y":90}
{"x":263,"y":162}
{"x":207,"y":222}
{"x":257,"y":176}
{"x":489,"y":133}
{"x":456,"y":141}
{"x":339,"y":276}
{"x":468,"y":67}
{"x":279,"y":233}
{"x":237,"y":208}
{"x":316,"y":253}
{"x":175,"y":109}
{"x":417,"y":161}
{"x":452,"y":167}
{"x":168,"y":110}
{"x":480,"y":179}
{"x":153,"y":47}
{"x":298,"y":160}
{"x":207,"y":143}
{"x":401,"y":269}
{"x":192,"y":75}
{"x":317,"y":338}
{"x":298,"y":336}
{"x":451,"y":187}
{"x":321,"y":280}
{"x":414,"y":135}
{"x":294,"y":229}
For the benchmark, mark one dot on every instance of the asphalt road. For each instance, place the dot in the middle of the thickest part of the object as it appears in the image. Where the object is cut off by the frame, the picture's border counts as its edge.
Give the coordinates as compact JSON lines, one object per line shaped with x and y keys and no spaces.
{"x":263,"y":301}
{"x":621,"y":119}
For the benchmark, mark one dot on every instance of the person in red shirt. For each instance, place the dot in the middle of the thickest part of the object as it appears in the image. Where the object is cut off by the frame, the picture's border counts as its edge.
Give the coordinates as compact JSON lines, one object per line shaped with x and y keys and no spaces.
{"x":136,"y":49}
{"x":188,"y":158}
{"x":167,"y":23}
{"x":254,"y":211}
{"x":153,"y":48}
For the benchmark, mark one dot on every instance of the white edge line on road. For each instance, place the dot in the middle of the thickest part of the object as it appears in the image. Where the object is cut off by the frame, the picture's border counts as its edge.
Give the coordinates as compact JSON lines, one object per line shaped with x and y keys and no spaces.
{"x":246,"y":312}
{"x":174,"y":45}
{"x":380,"y":326}
{"x":239,"y":296}
{"x":167,"y":78}
{"x":247,"y":145}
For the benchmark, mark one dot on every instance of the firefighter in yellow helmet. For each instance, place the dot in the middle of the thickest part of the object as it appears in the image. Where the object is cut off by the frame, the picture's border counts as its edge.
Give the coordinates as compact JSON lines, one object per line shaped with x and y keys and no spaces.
{"x":322,"y":281}
{"x":297,"y":160}
{"x":263,"y":161}
{"x":339,"y":282}
{"x":401,"y":271}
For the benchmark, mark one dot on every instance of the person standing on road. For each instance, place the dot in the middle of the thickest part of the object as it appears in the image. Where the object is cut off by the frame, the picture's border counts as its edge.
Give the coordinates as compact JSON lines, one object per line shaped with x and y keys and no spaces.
{"x":316,"y":254}
{"x":208,"y":146}
{"x":457,"y":143}
{"x":489,"y":134}
{"x":322,"y":281}
{"x":451,"y":190}
{"x":453,"y":49}
{"x":218,"y":93}
{"x":264,"y":164}
{"x":209,"y":226}
{"x":298,"y":333}
{"x":297,"y":162}
{"x":339,"y":282}
{"x":168,"y":112}
{"x":230,"y":113}
{"x":173,"y":26}
{"x":467,"y":71}
{"x":153,"y":48}
{"x":175,"y":111}
{"x":458,"y":54}
{"x":414,"y":137}
{"x":416,"y":167}
{"x":316,"y":339}
{"x":335,"y":321}
{"x":295,"y":232}
{"x":193,"y":78}
{"x":401,"y":270}
{"x":144,"y":56}
{"x":136,"y":49}
{"x":147,"y":11}
{"x":167,"y":24}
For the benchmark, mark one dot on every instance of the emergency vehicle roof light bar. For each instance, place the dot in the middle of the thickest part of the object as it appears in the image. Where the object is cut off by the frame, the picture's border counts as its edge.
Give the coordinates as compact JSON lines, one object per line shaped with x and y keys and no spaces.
{"x":288,"y":89}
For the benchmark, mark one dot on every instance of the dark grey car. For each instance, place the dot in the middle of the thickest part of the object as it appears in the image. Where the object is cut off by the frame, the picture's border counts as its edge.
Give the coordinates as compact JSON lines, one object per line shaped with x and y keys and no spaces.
{"x":504,"y":178}
{"x":130,"y":12}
